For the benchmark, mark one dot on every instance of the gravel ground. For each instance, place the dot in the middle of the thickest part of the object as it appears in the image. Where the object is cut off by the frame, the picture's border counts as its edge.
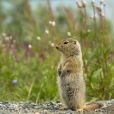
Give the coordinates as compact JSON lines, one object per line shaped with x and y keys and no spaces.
{"x":49,"y":108}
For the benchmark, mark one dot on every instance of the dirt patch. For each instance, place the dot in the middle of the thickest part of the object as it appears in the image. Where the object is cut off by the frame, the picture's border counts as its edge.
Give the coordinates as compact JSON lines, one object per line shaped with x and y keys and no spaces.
{"x":49,"y":108}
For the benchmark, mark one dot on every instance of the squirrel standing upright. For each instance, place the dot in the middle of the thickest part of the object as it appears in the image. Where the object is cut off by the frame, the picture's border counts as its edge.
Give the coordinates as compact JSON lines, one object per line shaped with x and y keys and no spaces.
{"x":71,"y":83}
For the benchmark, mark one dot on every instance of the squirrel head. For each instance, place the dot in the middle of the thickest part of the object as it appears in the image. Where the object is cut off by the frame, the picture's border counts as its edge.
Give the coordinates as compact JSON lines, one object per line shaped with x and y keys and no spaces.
{"x":69,"y":47}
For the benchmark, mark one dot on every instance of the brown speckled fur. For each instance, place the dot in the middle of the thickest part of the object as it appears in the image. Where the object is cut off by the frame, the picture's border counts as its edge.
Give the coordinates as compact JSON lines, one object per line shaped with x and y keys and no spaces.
{"x":71,"y":83}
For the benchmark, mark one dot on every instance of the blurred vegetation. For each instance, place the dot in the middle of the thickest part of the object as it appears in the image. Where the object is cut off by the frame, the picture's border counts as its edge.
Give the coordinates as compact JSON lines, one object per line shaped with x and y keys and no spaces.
{"x":28,"y":59}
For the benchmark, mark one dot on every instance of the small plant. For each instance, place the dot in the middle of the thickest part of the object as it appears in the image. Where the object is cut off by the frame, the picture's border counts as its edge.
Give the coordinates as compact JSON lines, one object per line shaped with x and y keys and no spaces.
{"x":97,"y":49}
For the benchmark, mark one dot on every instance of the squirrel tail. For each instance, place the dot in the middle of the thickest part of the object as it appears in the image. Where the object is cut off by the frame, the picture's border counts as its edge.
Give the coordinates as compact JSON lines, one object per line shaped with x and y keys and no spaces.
{"x":92,"y":106}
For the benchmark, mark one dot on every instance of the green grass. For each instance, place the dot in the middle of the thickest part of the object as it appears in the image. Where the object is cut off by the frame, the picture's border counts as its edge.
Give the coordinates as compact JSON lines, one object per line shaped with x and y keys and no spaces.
{"x":36,"y":80}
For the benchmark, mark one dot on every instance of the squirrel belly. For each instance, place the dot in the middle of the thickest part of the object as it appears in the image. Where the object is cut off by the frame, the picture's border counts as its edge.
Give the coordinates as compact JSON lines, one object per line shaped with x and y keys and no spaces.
{"x":72,"y":90}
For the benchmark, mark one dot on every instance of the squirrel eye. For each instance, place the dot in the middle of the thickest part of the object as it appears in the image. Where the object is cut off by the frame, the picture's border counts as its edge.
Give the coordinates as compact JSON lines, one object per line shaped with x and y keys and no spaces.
{"x":66,"y":42}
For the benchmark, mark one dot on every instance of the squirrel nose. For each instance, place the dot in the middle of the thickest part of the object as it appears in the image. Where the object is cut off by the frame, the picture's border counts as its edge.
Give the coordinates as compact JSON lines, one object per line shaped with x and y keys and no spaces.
{"x":57,"y":47}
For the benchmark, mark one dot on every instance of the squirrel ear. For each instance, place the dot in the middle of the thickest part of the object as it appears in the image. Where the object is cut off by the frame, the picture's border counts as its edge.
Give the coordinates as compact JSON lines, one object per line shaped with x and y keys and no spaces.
{"x":75,"y":42}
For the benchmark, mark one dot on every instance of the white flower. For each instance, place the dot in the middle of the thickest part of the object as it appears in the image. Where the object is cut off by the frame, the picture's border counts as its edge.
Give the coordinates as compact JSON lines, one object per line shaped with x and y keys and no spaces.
{"x":38,"y":38}
{"x":94,"y":16}
{"x":53,"y":23}
{"x":29,"y":46}
{"x":88,"y":30}
{"x":102,"y":14}
{"x":68,"y":33}
{"x":3,"y":34}
{"x":79,"y":4}
{"x":7,"y":38}
{"x":51,"y":44}
{"x":46,"y":31}
{"x":84,"y":2}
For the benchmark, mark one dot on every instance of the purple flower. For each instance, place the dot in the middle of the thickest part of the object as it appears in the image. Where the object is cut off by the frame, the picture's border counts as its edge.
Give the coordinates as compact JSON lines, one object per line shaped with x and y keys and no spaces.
{"x":14,"y":82}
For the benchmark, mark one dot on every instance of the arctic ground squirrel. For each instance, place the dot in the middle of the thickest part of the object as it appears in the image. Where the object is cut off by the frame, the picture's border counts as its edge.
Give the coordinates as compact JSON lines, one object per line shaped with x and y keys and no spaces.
{"x":70,"y":79}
